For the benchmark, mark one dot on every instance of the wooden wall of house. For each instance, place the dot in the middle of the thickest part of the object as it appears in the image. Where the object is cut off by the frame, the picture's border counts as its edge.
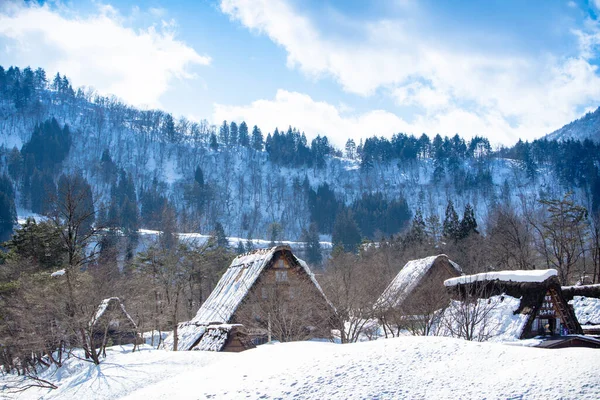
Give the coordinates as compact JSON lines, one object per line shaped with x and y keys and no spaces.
{"x":432,"y":284}
{"x":285,"y":280}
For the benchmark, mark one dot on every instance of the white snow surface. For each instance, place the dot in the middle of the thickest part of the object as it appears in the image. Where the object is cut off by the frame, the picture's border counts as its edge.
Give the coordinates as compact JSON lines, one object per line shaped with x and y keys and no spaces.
{"x":587,"y":310}
{"x":231,"y":289}
{"x":404,"y":367}
{"x":500,"y":325}
{"x":60,"y":272}
{"x":539,"y":275}
{"x":407,"y":279}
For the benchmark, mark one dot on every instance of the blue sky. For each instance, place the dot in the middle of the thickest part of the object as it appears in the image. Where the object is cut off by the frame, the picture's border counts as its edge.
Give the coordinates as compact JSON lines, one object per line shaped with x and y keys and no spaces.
{"x":501,"y":69}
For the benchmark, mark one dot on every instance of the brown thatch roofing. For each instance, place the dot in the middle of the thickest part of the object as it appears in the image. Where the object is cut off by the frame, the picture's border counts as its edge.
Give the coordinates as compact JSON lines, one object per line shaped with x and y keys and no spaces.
{"x":531,"y":295}
{"x":584,"y":290}
{"x":112,"y":312}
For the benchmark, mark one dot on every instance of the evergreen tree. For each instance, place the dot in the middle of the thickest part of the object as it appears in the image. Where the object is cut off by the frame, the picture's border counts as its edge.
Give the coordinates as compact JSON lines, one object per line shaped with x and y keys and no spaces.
{"x":169,"y":128}
{"x":233,"y":134}
{"x":451,"y":226}
{"x":38,"y":242}
{"x":350,"y":149}
{"x":214,"y":145}
{"x":42,"y":192}
{"x":8,"y":213}
{"x":219,"y":237}
{"x":240,"y":248}
{"x":15,"y":164}
{"x":257,"y":139}
{"x":313,"y":246}
{"x":275,"y":231}
{"x":417,"y":233}
{"x":199,"y":176}
{"x":224,"y":134}
{"x":346,"y":232}
{"x":49,"y":145}
{"x":243,"y":136}
{"x":468,"y":224}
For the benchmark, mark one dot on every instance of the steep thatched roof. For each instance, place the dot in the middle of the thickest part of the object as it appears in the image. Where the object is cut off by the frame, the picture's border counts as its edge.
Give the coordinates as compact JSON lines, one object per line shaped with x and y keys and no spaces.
{"x":232,"y":288}
{"x":409,"y":278}
{"x":584,"y":290}
{"x":112,"y":312}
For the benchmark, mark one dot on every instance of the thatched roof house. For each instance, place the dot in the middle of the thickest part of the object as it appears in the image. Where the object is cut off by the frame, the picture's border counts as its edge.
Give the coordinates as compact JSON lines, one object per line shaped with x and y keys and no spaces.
{"x":112,"y":324}
{"x":585,"y":301}
{"x":412,"y":278}
{"x":411,"y":300}
{"x":252,"y":277}
{"x":508,"y":305}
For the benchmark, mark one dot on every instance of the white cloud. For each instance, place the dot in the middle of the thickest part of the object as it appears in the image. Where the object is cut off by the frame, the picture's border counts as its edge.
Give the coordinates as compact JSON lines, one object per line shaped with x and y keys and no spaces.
{"x":315,"y":117}
{"x":97,"y":50}
{"x":507,"y":95}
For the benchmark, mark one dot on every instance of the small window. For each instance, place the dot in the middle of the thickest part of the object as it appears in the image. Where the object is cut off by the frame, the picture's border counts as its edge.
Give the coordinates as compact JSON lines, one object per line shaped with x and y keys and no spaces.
{"x":280,"y":264}
{"x":264,"y":292}
{"x":281,"y":276}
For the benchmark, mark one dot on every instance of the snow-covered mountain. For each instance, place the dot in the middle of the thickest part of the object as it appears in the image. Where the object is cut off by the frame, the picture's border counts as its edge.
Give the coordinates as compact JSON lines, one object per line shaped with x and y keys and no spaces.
{"x":244,"y":188}
{"x":586,"y":127}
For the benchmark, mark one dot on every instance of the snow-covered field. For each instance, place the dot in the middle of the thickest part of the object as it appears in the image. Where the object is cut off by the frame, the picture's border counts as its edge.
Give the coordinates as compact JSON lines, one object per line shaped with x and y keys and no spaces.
{"x":406,"y":367}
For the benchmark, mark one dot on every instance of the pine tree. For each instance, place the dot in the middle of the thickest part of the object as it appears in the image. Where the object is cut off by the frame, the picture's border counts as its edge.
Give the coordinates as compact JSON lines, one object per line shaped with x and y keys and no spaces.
{"x":224,"y":134}
{"x":199,"y":176}
{"x":8,"y":213}
{"x":169,"y":128}
{"x":214,"y":145}
{"x":233,"y":134}
{"x":219,"y":237}
{"x":243,"y":137}
{"x":346,"y":232}
{"x":468,"y":225}
{"x":257,"y":139}
{"x":451,"y":227}
{"x":417,"y":233}
{"x":240,"y":248}
{"x":313,"y":246}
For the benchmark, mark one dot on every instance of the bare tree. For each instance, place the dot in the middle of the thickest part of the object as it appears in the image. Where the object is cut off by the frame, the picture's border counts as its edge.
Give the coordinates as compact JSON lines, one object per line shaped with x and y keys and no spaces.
{"x":510,"y":240}
{"x":289,"y":310}
{"x":471,"y":317}
{"x":353,"y":285}
{"x":563,"y":232}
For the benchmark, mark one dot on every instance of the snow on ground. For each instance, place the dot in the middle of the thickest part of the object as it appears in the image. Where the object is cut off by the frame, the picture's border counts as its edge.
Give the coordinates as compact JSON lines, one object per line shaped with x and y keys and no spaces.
{"x":405,"y":367}
{"x":122,"y":372}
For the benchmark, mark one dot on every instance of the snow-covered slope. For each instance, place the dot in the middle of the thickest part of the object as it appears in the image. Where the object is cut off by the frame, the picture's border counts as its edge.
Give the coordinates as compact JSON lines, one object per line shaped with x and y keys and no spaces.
{"x":405,"y":367}
{"x":586,"y":127}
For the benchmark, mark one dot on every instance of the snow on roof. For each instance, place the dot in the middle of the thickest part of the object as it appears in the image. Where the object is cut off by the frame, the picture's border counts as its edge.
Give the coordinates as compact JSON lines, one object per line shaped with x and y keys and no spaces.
{"x":500,"y":324}
{"x":214,"y":337}
{"x":231,"y":289}
{"x":60,"y":272}
{"x":110,"y":302}
{"x":504,"y":276}
{"x":587,"y":310}
{"x":408,"y":278}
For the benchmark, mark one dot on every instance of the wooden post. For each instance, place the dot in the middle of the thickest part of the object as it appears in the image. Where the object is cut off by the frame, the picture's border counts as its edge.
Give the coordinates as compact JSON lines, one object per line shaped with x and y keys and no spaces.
{"x":269,"y":327}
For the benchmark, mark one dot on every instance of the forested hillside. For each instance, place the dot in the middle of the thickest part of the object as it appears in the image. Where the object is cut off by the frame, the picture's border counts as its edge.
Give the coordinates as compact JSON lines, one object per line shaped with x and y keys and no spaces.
{"x":255,"y":182}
